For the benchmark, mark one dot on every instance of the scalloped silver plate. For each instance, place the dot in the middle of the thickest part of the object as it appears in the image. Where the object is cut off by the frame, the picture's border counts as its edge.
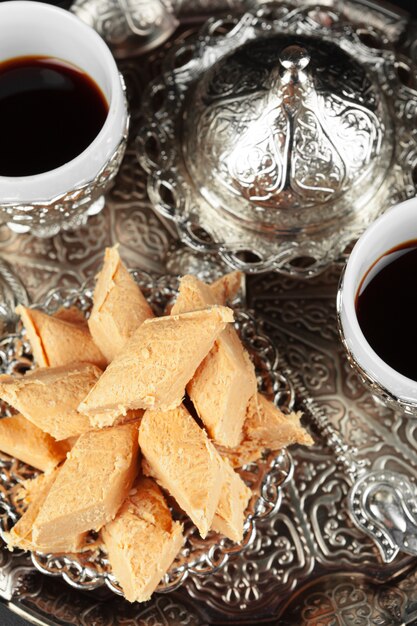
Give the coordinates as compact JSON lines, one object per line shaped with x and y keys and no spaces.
{"x":198,"y":557}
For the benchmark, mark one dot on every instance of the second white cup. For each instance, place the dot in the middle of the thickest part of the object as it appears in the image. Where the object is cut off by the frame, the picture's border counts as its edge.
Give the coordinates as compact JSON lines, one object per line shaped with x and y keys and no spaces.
{"x":395,"y":227}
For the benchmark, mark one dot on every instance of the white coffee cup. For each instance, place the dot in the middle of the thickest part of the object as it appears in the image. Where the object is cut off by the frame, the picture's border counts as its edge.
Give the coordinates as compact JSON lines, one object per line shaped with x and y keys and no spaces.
{"x":43,"y":203}
{"x":396,"y":226}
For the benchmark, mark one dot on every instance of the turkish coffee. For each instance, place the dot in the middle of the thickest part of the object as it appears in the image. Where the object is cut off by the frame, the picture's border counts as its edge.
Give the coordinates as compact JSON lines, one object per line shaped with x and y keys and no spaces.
{"x":50,"y":111}
{"x":386,"y":308}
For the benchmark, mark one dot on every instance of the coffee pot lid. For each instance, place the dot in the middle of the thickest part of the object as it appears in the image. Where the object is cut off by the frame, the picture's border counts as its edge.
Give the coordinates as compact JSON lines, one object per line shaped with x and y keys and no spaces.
{"x":285,"y":132}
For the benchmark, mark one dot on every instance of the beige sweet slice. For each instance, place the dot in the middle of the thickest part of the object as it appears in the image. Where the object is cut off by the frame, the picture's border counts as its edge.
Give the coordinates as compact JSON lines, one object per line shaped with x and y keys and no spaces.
{"x":234,"y":499}
{"x":182,"y":459}
{"x":70,"y":314}
{"x":70,"y":442}
{"x":154,"y":367}
{"x":21,"y":535}
{"x":246,"y":452}
{"x":142,"y":541}
{"x":25,"y":441}
{"x":193,"y":295}
{"x":119,"y":306}
{"x":48,"y":397}
{"x":266,"y":427}
{"x":221,"y":387}
{"x":223,"y":383}
{"x":91,"y":485}
{"x":131,"y":416}
{"x":266,"y":424}
{"x":226,"y":288}
{"x":56,"y":341}
{"x":31,"y":488}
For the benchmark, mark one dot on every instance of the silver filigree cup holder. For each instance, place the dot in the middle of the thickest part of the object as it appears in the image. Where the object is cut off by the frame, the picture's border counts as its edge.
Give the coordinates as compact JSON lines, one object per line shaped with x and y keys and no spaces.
{"x":69,"y":210}
{"x":274,"y":139}
{"x":198,"y":557}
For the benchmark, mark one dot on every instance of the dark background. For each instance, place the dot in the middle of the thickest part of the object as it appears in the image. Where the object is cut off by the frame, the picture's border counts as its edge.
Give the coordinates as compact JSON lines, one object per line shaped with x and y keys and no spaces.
{"x":408,"y":5}
{"x":6,"y":617}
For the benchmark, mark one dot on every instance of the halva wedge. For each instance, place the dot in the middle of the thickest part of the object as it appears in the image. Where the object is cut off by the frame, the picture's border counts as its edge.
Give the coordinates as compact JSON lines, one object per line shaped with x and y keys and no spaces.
{"x":48,"y":397}
{"x":155,"y":365}
{"x":266,"y":427}
{"x":28,"y":443}
{"x":223,"y":383}
{"x":226,"y":288}
{"x":182,"y":459}
{"x":234,"y":499}
{"x":119,"y":306}
{"x":56,"y":341}
{"x":21,"y":535}
{"x":91,"y":485}
{"x":142,"y":541}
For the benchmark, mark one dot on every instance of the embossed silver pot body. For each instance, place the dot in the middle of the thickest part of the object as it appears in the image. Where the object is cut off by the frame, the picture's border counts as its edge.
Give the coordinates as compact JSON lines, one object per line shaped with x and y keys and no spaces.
{"x":286,"y":134}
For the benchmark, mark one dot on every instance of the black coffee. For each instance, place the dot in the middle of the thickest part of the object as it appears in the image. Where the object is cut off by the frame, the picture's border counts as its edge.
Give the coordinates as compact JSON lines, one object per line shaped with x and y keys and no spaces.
{"x":50,"y":111}
{"x":386,"y":308}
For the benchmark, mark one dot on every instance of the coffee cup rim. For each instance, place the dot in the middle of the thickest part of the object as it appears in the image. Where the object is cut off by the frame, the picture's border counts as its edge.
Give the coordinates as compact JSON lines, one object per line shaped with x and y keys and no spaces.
{"x":21,"y":187}
{"x":375,"y":368}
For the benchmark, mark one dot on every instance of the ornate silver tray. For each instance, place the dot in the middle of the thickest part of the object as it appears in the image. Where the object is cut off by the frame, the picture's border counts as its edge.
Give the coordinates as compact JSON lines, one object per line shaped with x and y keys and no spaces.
{"x":279,"y":160}
{"x":308,"y":564}
{"x":198,"y":557}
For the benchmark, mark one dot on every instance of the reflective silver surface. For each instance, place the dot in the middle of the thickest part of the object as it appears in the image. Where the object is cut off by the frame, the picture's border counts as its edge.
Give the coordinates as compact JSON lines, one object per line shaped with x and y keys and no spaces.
{"x":129,"y":27}
{"x":286,"y":134}
{"x":12,"y":293}
{"x":381,"y":503}
{"x":310,"y":564}
{"x":134,"y":27}
{"x":384,"y":505}
{"x":269,"y":163}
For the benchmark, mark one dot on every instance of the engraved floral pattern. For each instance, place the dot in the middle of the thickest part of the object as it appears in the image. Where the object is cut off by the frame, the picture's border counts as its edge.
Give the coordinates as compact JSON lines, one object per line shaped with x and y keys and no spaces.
{"x":119,"y":20}
{"x":244,"y":153}
{"x":340,"y":600}
{"x":345,"y":603}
